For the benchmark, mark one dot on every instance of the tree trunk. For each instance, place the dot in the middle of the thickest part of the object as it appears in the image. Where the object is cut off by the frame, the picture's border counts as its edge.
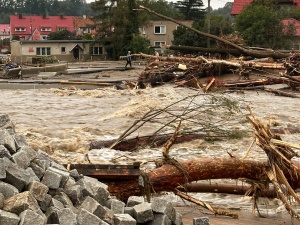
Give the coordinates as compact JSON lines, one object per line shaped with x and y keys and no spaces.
{"x":168,"y":177}
{"x":245,"y":51}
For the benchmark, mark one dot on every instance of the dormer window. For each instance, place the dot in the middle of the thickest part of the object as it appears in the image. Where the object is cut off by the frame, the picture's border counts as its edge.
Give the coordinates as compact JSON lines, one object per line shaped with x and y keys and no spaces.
{"x":46,"y":29}
{"x":20,"y":28}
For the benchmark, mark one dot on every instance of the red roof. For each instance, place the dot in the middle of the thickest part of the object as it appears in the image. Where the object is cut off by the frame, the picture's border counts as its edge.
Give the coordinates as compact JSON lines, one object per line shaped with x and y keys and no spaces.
{"x":4,"y":28}
{"x":296,"y":23}
{"x":239,"y":5}
{"x":25,"y":25}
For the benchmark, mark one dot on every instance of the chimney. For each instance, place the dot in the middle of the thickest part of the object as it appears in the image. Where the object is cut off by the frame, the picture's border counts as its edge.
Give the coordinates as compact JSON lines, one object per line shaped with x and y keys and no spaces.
{"x":44,"y":16}
{"x":20,"y":16}
{"x":61,"y":16}
{"x":84,"y":17}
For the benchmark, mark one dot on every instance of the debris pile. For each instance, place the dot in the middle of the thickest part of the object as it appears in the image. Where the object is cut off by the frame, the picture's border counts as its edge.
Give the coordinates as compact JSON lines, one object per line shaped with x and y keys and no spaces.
{"x":34,"y":189}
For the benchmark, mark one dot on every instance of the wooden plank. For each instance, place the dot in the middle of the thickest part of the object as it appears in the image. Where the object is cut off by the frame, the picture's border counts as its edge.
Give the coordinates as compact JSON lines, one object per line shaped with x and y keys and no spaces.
{"x":108,"y":172}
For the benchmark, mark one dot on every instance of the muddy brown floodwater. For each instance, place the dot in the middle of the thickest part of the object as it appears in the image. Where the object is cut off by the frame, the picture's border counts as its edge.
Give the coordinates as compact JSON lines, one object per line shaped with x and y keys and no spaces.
{"x":63,"y":121}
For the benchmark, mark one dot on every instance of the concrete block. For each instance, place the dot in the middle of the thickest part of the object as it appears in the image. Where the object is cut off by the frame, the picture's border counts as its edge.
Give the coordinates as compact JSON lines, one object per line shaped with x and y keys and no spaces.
{"x":66,"y":217}
{"x":143,"y":212}
{"x":2,"y":169}
{"x":160,"y":219}
{"x":201,"y":221}
{"x":124,"y":219}
{"x":51,"y":179}
{"x":117,"y":206}
{"x":28,"y":217}
{"x":8,"y":218}
{"x":38,"y":190}
{"x":163,"y":206}
{"x":8,"y":190}
{"x":20,"y":202}
{"x":134,"y":200}
{"x":85,"y":217}
{"x":7,"y":140}
{"x":4,"y":153}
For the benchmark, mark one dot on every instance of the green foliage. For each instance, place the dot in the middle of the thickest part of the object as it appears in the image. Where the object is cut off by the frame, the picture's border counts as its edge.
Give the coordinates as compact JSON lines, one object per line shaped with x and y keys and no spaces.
{"x":191,"y":9}
{"x":141,"y":44}
{"x":87,"y":37}
{"x":15,"y":38}
{"x":260,"y":25}
{"x":162,"y":7}
{"x":62,"y":35}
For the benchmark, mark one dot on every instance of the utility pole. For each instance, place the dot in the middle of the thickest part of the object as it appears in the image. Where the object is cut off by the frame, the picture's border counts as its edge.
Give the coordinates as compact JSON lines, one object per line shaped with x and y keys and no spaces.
{"x":208,"y":24}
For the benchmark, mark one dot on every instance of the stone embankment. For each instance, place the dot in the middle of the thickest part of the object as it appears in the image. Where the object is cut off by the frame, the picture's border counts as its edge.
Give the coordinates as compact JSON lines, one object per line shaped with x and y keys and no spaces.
{"x":35,"y":190}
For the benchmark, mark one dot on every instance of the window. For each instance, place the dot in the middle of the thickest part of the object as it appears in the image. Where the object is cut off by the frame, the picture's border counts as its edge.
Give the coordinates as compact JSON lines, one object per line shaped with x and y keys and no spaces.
{"x":157,"y":44}
{"x":20,"y":28}
{"x":62,"y":28}
{"x":43,"y":51}
{"x":96,"y":50}
{"x":159,"y":29}
{"x":46,"y":29}
{"x":63,"y":49}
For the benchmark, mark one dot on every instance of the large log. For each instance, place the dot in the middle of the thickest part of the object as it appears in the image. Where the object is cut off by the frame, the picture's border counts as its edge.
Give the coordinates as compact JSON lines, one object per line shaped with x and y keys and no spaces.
{"x":168,"y":177}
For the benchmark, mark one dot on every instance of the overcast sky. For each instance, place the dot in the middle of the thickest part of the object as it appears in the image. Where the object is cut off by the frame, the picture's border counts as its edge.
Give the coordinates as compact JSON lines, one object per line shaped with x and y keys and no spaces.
{"x":215,"y":4}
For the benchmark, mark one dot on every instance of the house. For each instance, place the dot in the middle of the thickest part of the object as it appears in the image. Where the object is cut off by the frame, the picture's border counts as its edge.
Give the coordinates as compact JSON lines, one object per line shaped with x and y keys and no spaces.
{"x":4,"y":34}
{"x":31,"y":51}
{"x":296,"y":24}
{"x":161,"y":32}
{"x":84,"y":25}
{"x":239,"y":5}
{"x":23,"y":26}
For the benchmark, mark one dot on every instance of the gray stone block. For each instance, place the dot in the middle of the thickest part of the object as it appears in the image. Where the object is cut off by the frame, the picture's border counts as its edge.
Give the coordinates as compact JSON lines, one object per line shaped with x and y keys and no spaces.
{"x":8,"y":218}
{"x":201,"y":221}
{"x":28,"y":217}
{"x":1,"y":200}
{"x":57,"y":204}
{"x":117,"y":206}
{"x":58,"y":166}
{"x":90,"y":185}
{"x":7,"y":140}
{"x":102,"y":195}
{"x":74,"y":191}
{"x":177,"y":220}
{"x":52,"y":215}
{"x":74,"y":173}
{"x":143,"y":212}
{"x":108,"y":216}
{"x":160,"y":219}
{"x":16,"y":176}
{"x":51,"y":179}
{"x":21,"y":159}
{"x":64,"y":175}
{"x":39,"y":171}
{"x":45,"y":203}
{"x":162,"y":206}
{"x":85,"y":217}
{"x":134,"y":200}
{"x":2,"y":169}
{"x":42,"y":159}
{"x":92,"y":206}
{"x":4,"y":153}
{"x":32,"y":175}
{"x":20,"y":202}
{"x":65,"y":200}
{"x":21,"y":140}
{"x":124,"y":219}
{"x":8,"y":190}
{"x":129,"y":210}
{"x":5,"y":121}
{"x":30,"y":153}
{"x":66,"y":217}
{"x":38,"y":190}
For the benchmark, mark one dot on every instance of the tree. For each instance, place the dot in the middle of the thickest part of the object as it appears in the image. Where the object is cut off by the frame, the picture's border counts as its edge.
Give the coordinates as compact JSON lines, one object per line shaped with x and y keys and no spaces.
{"x":191,"y":9}
{"x":62,"y":35}
{"x":260,"y":25}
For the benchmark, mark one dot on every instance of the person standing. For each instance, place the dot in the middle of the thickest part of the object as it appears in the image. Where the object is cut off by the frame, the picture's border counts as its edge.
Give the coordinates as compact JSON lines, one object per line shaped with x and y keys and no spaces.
{"x":128,"y":59}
